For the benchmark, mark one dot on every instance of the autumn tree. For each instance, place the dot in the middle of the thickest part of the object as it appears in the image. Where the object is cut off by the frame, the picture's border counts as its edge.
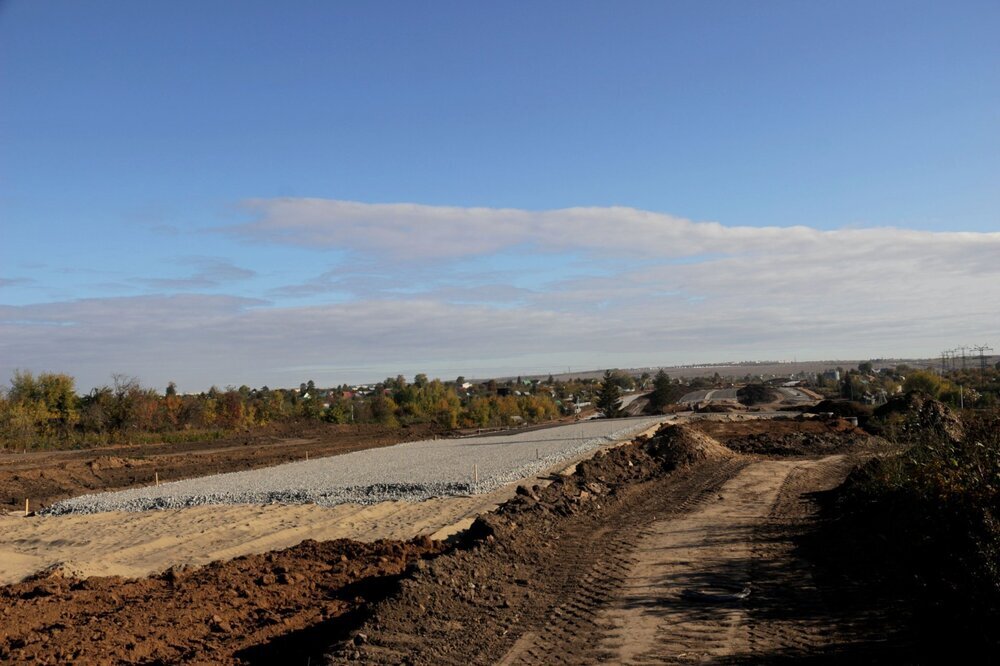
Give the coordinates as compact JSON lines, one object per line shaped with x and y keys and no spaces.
{"x":928,"y":382}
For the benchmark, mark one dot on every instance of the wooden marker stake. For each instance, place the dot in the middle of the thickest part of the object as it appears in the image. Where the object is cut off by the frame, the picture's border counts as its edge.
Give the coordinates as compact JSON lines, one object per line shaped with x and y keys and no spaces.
{"x":475,"y":474}
{"x":26,"y":512}
{"x":156,"y":475}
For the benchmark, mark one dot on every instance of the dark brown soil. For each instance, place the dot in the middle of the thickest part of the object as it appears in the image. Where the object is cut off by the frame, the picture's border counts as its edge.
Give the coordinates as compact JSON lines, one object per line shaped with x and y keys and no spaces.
{"x":757,"y":394}
{"x":281,"y":607}
{"x":789,"y":437}
{"x":48,"y":476}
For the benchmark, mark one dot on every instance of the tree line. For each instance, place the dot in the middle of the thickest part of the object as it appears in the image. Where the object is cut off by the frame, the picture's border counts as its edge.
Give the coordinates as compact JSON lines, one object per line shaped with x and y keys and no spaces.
{"x":45,"y":410}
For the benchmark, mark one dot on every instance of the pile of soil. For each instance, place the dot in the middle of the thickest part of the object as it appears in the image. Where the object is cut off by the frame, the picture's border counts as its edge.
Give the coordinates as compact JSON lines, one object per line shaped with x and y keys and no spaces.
{"x":678,"y":445}
{"x":841,"y":408}
{"x":800,"y":444}
{"x":284,"y":606}
{"x":789,"y":437}
{"x":757,"y":394}
{"x":45,"y":477}
{"x":910,"y":415}
{"x":521,"y":561}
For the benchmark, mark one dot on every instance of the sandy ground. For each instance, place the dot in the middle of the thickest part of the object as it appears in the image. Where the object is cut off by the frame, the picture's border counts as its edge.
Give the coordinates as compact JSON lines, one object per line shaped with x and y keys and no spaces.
{"x":682,"y":600}
{"x":142,"y":543}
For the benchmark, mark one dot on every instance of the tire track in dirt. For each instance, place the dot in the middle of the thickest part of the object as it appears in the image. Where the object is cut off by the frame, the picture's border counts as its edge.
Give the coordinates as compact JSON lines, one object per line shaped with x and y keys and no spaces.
{"x":668,"y":590}
{"x":605,"y":557}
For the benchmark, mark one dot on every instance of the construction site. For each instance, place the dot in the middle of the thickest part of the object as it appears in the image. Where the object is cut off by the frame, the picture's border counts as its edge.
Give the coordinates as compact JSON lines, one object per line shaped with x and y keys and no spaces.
{"x":690,"y":537}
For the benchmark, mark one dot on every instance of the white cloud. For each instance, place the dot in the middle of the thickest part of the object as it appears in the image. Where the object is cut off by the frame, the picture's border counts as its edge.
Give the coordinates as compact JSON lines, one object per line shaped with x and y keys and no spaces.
{"x":651,"y":289}
{"x":209,"y":272}
{"x":418,"y":232}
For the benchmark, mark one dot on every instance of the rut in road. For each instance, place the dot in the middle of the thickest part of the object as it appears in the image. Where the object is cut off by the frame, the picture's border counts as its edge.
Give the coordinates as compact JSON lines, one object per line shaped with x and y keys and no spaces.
{"x":674,"y":591}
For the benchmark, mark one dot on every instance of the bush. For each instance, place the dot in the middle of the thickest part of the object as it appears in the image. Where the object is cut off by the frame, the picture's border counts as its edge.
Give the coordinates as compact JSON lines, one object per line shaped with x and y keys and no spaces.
{"x":927,"y":519}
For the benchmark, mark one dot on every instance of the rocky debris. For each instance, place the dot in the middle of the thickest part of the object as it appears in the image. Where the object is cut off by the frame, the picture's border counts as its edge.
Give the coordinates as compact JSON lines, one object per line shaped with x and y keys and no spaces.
{"x":915,"y":414}
{"x":606,"y":474}
{"x":234,"y":612}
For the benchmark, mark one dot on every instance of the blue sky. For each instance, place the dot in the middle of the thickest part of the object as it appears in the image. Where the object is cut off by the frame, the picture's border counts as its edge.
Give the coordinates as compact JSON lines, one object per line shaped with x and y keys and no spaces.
{"x":217,"y":192}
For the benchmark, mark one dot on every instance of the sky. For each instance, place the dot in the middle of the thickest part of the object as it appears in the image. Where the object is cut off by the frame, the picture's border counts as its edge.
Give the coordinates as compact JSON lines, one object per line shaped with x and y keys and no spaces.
{"x":219,"y":193}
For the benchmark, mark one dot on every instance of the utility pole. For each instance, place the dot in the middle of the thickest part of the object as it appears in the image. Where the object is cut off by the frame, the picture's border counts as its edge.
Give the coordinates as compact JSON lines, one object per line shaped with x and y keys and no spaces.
{"x":944,"y":362}
{"x":982,"y":356}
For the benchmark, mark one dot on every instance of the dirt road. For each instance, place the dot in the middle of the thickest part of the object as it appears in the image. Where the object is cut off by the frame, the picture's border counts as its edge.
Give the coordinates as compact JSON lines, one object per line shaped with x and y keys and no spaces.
{"x":721,"y":584}
{"x":625,"y":564}
{"x":687,"y":596}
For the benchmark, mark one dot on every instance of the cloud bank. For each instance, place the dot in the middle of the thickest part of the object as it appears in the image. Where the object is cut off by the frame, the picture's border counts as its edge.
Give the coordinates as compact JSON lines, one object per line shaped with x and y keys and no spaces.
{"x":452,"y":291}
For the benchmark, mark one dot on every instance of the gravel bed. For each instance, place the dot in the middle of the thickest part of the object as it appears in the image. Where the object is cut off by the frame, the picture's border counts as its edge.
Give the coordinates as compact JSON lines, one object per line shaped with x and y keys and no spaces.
{"x":413,"y":471}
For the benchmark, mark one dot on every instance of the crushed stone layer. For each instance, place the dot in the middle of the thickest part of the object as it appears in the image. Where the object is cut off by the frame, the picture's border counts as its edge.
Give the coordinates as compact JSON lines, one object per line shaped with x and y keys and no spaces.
{"x":412,"y":472}
{"x":139,"y":543}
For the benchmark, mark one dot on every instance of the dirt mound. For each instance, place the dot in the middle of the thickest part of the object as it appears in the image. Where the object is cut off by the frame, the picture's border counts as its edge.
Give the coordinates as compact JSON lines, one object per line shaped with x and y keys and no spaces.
{"x":910,"y":416}
{"x":281,"y":606}
{"x":757,"y":394}
{"x":801,"y":444}
{"x":111,"y":462}
{"x":798,"y":436}
{"x":840,"y":408}
{"x":678,"y":445}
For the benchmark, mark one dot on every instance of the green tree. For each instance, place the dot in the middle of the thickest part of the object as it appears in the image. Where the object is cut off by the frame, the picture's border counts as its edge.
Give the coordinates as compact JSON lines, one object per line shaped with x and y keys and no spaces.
{"x":609,"y":400}
{"x":662,"y":394}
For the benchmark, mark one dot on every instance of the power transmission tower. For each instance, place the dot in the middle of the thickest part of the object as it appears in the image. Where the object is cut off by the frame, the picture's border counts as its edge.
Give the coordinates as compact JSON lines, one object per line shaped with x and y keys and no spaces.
{"x":982,"y":356}
{"x":962,"y":349}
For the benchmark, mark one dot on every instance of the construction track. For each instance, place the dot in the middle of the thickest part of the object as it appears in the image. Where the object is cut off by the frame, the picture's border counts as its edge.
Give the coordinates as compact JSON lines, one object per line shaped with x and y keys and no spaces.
{"x":663,"y":588}
{"x":694,"y":566}
{"x":606,"y":559}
